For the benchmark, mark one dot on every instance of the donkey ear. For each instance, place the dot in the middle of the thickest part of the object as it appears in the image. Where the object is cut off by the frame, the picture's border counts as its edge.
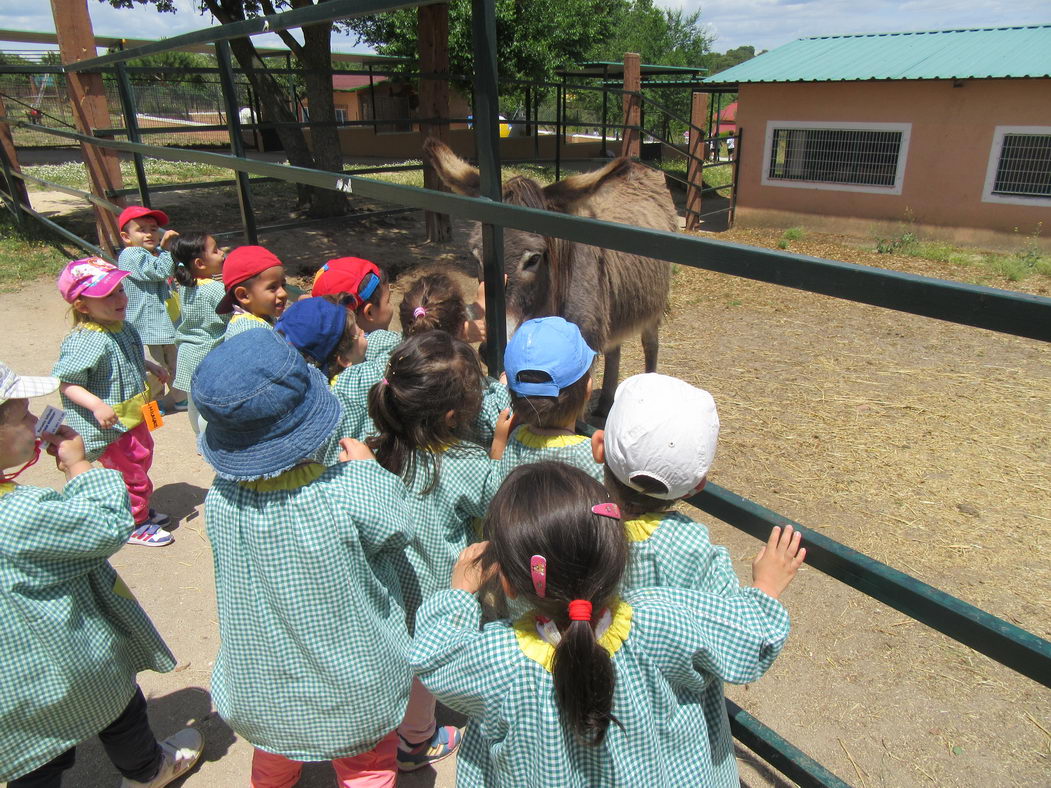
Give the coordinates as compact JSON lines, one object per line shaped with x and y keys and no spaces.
{"x":455,"y":173}
{"x":561,"y":195}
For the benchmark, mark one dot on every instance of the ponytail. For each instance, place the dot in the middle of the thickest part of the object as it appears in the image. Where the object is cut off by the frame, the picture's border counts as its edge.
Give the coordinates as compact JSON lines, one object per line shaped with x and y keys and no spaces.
{"x":585,"y":555}
{"x":186,"y":248}
{"x":434,"y":302}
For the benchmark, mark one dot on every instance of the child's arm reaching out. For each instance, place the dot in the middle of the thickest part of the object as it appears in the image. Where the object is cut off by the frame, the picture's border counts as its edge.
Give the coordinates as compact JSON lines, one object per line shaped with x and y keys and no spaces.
{"x":778,"y":561}
{"x":159,"y":372}
{"x":501,"y":432}
{"x":104,"y":414}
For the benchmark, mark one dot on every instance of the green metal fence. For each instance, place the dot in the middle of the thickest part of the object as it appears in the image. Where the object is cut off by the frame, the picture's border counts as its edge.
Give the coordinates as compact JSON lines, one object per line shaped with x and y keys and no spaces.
{"x":983,"y":307}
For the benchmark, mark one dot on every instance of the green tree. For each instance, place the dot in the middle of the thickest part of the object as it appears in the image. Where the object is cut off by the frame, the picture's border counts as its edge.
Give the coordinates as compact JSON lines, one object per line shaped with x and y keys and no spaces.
{"x":730,"y":58}
{"x":314,"y":57}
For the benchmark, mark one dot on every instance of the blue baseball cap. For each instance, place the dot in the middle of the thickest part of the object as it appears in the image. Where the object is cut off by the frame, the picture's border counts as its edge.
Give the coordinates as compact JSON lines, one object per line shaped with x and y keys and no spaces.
{"x":313,"y":326}
{"x":547,"y":344}
{"x":266,"y":408}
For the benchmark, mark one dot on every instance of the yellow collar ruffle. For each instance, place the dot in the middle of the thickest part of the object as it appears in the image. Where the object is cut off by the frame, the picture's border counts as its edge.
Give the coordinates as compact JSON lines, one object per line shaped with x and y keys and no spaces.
{"x":292,"y":479}
{"x":105,"y":328}
{"x":543,"y":653}
{"x":6,"y":487}
{"x":641,"y":528}
{"x":527,"y":437}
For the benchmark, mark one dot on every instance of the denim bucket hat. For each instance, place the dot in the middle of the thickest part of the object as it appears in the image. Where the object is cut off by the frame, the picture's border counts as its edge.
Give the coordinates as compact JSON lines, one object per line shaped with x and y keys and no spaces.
{"x":266,"y":409}
{"x":546,"y":344}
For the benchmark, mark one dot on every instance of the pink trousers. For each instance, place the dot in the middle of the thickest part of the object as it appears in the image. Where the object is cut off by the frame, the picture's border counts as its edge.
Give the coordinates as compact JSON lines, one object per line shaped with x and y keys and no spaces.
{"x":376,"y":768}
{"x":132,"y":455}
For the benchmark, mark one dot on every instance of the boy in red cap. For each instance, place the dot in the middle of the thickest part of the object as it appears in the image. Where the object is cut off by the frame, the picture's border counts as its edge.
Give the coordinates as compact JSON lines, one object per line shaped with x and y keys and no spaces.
{"x":153,"y":308}
{"x":362,"y":287}
{"x":255,"y":289}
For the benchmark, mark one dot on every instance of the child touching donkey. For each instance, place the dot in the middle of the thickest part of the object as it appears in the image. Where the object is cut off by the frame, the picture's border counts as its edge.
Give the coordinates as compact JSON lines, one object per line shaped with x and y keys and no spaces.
{"x":104,"y":389}
{"x":72,"y":637}
{"x":594,"y":686}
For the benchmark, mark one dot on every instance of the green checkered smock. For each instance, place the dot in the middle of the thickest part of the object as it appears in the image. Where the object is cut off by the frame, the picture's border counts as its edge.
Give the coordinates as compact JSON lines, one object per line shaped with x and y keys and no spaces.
{"x":670,"y":550}
{"x":445,"y":518}
{"x":201,"y":330}
{"x":495,"y":398}
{"x":525,"y":446}
{"x":351,"y":388}
{"x":72,"y":636}
{"x":313,"y":655}
{"x":240,"y":322}
{"x":148,"y":293}
{"x":381,"y":344}
{"x":678,"y":644}
{"x":108,"y":361}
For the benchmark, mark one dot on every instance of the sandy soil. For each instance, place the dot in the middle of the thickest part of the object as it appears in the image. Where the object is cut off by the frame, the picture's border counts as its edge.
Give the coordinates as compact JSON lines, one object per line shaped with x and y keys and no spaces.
{"x":923,"y":444}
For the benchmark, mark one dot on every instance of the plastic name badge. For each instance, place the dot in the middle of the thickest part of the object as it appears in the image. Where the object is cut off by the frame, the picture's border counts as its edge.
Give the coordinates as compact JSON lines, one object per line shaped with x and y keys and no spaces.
{"x":151,"y":414}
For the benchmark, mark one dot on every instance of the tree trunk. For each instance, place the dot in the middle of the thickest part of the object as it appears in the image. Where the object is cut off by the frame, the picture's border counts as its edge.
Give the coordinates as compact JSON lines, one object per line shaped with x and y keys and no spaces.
{"x":316,"y":62}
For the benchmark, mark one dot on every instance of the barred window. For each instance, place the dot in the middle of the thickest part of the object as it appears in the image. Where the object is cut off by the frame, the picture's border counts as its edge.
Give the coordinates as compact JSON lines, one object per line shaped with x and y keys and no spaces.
{"x":1024,"y":166}
{"x":848,"y":156}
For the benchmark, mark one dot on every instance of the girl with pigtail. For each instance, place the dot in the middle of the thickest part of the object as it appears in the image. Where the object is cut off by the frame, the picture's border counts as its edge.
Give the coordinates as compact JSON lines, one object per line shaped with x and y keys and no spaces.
{"x":593,"y":686}
{"x":423,"y":409}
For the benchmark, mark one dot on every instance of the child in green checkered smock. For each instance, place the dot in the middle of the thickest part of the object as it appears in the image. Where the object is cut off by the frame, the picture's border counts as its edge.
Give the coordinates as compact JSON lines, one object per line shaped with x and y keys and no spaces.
{"x":548,"y":366}
{"x":198,"y":270}
{"x":153,"y":307}
{"x":594,"y":686}
{"x":72,"y":636}
{"x":254,"y":279}
{"x":423,"y":410}
{"x":313,"y":643}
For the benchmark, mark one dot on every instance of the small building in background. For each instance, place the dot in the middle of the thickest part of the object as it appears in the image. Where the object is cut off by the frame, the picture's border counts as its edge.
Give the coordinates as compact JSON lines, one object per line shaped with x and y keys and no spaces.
{"x":948,"y":130}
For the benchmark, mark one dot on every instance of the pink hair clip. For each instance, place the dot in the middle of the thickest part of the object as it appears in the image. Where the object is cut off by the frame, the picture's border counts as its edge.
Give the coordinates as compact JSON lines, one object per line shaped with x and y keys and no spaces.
{"x":418,"y":312}
{"x":538,"y":571}
{"x":383,"y":381}
{"x":610,"y":510}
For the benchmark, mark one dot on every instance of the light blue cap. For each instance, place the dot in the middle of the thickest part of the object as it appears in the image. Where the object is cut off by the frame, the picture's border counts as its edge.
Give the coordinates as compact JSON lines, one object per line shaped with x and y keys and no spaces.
{"x":547,"y":344}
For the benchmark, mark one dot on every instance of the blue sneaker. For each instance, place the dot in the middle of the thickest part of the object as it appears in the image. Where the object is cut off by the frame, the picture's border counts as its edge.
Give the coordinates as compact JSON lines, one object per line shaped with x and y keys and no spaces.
{"x":150,"y":535}
{"x":442,"y":744}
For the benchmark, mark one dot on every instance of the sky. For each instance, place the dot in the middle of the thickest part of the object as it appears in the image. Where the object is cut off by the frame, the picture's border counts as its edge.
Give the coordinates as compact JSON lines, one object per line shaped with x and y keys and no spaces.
{"x":764,"y":24}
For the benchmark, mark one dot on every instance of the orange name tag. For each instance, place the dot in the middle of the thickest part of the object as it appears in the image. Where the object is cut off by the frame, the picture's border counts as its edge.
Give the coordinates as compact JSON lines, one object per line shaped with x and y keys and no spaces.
{"x":151,"y":414}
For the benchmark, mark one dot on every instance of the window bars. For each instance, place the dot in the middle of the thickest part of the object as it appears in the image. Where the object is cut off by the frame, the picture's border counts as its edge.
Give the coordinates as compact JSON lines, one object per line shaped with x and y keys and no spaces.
{"x":848,"y":156}
{"x":1025,"y":165}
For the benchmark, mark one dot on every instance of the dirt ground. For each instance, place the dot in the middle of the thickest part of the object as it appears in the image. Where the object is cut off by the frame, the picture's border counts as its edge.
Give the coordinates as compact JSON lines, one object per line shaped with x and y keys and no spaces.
{"x":923,"y":444}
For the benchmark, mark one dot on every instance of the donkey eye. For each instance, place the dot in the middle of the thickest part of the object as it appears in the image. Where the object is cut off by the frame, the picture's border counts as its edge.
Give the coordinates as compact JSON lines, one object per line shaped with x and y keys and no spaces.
{"x":531,"y":260}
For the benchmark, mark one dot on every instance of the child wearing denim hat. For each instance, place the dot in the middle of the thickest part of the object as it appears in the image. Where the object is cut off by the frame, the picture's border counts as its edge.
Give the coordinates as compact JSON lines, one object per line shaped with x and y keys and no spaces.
{"x":72,"y":637}
{"x":312,"y":662}
{"x":104,"y":390}
{"x":548,"y":366}
{"x":255,"y":289}
{"x":153,"y":308}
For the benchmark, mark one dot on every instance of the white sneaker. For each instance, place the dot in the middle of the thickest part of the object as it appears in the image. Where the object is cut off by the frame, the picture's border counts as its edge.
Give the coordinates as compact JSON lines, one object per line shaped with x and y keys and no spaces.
{"x":181,"y":751}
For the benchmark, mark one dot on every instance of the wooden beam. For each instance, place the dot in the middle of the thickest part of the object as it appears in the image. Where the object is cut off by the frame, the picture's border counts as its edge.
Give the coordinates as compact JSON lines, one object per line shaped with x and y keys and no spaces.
{"x":433,"y":38}
{"x":695,"y":165}
{"x":10,"y":158}
{"x":76,"y":41}
{"x":631,"y":144}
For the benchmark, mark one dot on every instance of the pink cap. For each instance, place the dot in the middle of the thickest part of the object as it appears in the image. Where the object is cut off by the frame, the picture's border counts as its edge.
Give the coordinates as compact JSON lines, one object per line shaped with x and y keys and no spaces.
{"x":91,"y":277}
{"x":137,"y":212}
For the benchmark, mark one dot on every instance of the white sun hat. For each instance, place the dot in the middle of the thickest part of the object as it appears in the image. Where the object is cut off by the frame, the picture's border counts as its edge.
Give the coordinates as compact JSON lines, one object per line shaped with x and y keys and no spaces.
{"x":14,"y":386}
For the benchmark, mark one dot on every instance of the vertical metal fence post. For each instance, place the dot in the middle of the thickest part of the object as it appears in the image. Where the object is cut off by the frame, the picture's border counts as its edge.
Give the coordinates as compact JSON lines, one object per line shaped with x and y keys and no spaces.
{"x":131,"y":123}
{"x":605,"y":106}
{"x":237,"y":148}
{"x":558,"y":132}
{"x":486,"y":134}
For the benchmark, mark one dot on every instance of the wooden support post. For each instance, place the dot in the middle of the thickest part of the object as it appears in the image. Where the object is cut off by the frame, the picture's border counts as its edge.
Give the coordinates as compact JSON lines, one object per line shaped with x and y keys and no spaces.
{"x":630,"y":146}
{"x":433,"y":37}
{"x":695,"y":162}
{"x":76,"y":41}
{"x":16,"y":186}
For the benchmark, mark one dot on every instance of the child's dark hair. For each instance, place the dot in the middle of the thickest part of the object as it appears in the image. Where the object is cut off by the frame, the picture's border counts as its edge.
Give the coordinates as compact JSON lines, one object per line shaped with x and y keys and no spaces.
{"x":345,"y":346}
{"x":434,"y":301}
{"x":545,"y":509}
{"x":428,"y":376}
{"x":186,"y":248}
{"x":549,"y":412}
{"x":635,"y":502}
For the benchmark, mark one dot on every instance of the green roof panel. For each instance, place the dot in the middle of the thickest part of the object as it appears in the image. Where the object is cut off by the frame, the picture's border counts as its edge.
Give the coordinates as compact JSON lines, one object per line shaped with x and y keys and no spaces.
{"x":987,"y":53}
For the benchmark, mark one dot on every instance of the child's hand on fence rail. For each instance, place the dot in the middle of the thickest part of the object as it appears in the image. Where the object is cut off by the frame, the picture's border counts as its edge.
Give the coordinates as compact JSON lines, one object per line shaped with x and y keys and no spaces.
{"x":778,"y":561}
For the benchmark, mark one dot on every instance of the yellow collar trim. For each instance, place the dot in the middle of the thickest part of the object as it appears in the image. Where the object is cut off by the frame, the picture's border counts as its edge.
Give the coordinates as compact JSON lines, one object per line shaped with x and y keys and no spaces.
{"x":641,"y":528}
{"x":527,"y":437}
{"x":6,"y":487}
{"x":105,"y":328}
{"x":249,"y":316}
{"x":543,"y":653}
{"x":292,"y":479}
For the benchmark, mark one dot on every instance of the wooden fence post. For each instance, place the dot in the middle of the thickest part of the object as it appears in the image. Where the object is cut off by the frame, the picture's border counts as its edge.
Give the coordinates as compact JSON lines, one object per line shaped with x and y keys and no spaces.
{"x":631,"y":144}
{"x":17,"y":186}
{"x":87,"y":98}
{"x":695,"y":163}
{"x":433,"y":37}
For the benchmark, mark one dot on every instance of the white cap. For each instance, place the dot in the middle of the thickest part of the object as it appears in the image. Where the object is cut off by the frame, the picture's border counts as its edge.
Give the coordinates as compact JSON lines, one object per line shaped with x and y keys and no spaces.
{"x":664,"y":428}
{"x":14,"y":387}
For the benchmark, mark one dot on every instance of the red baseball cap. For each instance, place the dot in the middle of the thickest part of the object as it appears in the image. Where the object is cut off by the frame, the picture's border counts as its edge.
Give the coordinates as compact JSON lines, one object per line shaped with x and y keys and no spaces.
{"x":137,"y":212}
{"x":242,"y":264}
{"x":347,"y":275}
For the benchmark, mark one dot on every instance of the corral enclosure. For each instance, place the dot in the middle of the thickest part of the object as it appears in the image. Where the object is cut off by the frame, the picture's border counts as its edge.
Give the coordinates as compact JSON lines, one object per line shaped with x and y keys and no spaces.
{"x":805,"y":467}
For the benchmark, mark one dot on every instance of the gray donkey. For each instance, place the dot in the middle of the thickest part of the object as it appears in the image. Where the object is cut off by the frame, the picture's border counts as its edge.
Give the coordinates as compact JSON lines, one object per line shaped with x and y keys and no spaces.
{"x":610,"y":295}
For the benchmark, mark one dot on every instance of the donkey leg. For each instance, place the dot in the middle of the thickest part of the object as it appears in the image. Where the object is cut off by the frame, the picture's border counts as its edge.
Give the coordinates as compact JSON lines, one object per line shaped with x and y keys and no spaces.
{"x":610,"y":377}
{"x":650,"y":345}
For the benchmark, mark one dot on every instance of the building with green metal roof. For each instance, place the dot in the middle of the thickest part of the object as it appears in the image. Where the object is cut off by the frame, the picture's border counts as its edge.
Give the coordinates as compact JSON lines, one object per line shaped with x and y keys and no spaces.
{"x":950,"y":129}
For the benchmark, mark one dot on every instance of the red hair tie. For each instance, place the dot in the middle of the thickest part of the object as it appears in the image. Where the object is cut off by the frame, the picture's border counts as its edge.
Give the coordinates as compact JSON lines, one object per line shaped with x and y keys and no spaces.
{"x":580,"y":610}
